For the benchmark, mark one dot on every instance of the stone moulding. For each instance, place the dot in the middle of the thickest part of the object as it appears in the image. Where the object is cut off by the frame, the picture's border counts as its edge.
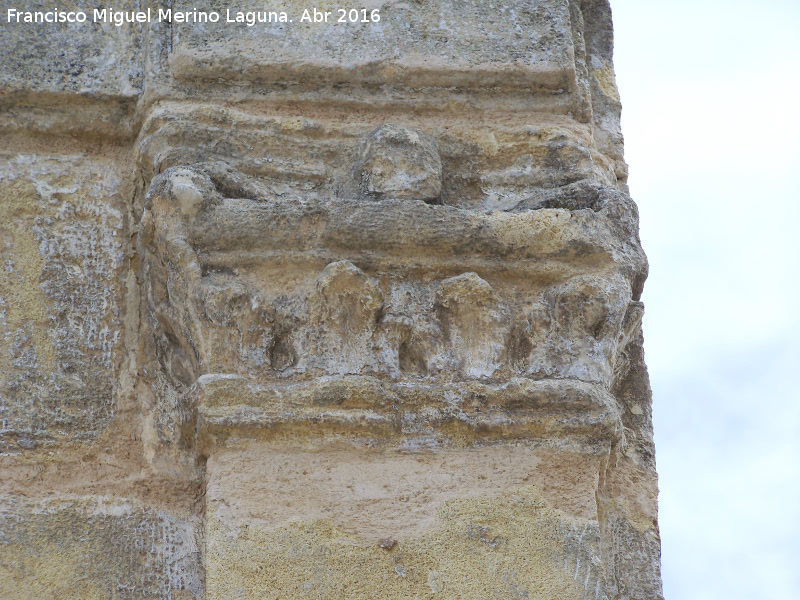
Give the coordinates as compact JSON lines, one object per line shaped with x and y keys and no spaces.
{"x":414,"y":326}
{"x":404,"y":412}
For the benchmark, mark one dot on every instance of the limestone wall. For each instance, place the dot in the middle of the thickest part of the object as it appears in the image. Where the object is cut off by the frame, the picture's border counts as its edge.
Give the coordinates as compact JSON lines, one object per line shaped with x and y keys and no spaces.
{"x":321,"y":310}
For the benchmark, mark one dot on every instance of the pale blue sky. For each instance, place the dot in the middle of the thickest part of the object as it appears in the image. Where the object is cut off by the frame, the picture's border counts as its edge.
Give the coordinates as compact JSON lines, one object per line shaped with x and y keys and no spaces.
{"x":711,"y":117}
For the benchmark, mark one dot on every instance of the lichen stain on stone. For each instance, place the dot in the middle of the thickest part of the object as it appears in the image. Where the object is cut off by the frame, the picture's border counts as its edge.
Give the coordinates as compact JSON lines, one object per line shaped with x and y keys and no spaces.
{"x":95,"y":549}
{"x":607,"y":82}
{"x":511,"y":546}
{"x":523,"y":229}
{"x":57,"y":572}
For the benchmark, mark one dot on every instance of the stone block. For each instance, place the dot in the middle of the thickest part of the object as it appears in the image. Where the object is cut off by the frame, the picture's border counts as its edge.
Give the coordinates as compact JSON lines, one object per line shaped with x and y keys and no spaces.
{"x":97,"y":549}
{"x":442,"y":43}
{"x":100,"y":60}
{"x":497,"y":522}
{"x":484,"y":165}
{"x":62,"y":224}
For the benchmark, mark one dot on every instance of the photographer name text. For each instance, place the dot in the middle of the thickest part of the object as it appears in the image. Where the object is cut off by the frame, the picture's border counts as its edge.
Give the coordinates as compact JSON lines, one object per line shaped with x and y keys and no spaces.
{"x":120,"y":18}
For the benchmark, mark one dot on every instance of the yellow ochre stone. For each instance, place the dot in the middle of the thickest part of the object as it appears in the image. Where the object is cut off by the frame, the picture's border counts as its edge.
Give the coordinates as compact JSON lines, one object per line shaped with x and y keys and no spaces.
{"x":24,"y":302}
{"x":479,"y":548}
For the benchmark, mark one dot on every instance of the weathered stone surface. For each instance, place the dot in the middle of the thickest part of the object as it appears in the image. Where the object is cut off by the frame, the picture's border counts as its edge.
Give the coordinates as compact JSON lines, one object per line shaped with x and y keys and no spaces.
{"x":489,"y":162}
{"x":443,"y":43}
{"x":472,"y":522}
{"x":398,"y":162}
{"x":426,"y":347}
{"x":93,"y":548}
{"x":405,"y":414}
{"x":61,"y":288}
{"x":322,"y":310}
{"x":71,"y":58}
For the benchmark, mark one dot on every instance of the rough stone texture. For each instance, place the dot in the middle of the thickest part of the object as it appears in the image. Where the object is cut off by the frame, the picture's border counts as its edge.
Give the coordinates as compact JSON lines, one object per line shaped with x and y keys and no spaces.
{"x":72,"y":58}
{"x":311,"y":310}
{"x":441,"y":43}
{"x":94,"y":548}
{"x":474,"y":522}
{"x":62,"y":234}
